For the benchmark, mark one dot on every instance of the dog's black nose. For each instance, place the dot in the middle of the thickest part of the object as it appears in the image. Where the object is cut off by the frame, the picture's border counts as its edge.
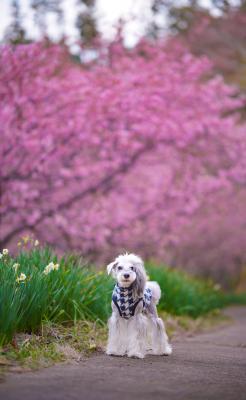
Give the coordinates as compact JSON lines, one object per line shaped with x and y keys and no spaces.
{"x":126,"y":276}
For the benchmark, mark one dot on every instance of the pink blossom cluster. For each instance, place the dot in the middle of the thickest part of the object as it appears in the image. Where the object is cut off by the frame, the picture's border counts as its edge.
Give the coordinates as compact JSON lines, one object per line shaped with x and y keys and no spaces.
{"x":123,"y":153}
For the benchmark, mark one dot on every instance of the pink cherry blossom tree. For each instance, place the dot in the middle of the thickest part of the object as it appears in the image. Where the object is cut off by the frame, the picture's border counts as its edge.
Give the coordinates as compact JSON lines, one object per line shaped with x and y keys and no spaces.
{"x":119,"y":154}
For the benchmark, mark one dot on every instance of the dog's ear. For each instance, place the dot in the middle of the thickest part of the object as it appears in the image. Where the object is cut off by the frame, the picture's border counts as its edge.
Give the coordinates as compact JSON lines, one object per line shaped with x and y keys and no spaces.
{"x":140,"y":281}
{"x":111,"y":267}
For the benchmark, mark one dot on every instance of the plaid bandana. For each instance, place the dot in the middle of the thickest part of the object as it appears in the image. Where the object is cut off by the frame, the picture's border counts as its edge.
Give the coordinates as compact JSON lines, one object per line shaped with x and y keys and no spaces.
{"x":126,"y":303}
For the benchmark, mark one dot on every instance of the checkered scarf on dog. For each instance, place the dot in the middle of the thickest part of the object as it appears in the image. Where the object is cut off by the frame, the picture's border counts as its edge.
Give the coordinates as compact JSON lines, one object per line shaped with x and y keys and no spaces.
{"x":126,"y":302}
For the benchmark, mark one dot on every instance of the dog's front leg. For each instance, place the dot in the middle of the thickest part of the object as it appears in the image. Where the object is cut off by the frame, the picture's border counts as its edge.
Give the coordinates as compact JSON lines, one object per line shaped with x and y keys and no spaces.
{"x":137,"y":332}
{"x":117,"y":336}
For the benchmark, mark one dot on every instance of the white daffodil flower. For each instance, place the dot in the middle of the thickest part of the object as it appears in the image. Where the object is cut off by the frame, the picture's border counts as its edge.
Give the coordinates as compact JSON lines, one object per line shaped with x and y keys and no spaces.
{"x":51,"y":267}
{"x":21,"y":278}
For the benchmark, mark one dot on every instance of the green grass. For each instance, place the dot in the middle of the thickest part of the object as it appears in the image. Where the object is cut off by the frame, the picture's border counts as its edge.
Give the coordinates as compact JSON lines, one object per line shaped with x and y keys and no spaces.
{"x":183,"y":294}
{"x":73,"y":292}
{"x":77,"y":292}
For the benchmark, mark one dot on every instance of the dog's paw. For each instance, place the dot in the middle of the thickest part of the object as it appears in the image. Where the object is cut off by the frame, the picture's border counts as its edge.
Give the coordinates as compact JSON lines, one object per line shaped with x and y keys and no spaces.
{"x":168,"y":350}
{"x":135,"y":354}
{"x":115,"y":353}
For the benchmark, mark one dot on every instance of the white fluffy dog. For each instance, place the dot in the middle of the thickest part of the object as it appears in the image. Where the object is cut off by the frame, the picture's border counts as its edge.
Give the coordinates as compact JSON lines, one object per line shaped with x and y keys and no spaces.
{"x":134,"y":327}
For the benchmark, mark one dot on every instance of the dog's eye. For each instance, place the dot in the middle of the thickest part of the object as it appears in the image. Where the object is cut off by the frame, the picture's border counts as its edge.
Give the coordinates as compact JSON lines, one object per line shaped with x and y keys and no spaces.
{"x":120,"y":268}
{"x":131,"y":268}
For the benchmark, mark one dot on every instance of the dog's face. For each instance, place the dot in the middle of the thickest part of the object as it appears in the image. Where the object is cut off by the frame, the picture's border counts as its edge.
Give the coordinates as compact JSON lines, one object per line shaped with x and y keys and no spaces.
{"x":127,"y":269}
{"x":125,"y":274}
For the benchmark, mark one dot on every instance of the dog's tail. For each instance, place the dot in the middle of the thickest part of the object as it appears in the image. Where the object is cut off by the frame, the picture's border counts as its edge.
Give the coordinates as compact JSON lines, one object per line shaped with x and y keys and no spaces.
{"x":156,"y":291}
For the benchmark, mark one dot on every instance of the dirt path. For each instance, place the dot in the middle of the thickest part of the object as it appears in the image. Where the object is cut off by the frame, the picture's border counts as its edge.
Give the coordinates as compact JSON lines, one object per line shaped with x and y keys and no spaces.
{"x":207,"y":366}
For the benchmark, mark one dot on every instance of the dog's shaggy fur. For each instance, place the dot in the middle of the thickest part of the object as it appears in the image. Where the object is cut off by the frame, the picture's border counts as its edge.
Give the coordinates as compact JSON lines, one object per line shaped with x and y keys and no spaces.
{"x":144,"y":332}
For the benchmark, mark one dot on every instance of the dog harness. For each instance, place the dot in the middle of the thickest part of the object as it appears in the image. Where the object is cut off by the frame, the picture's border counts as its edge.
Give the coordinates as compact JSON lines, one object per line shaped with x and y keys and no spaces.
{"x":125,"y":301}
